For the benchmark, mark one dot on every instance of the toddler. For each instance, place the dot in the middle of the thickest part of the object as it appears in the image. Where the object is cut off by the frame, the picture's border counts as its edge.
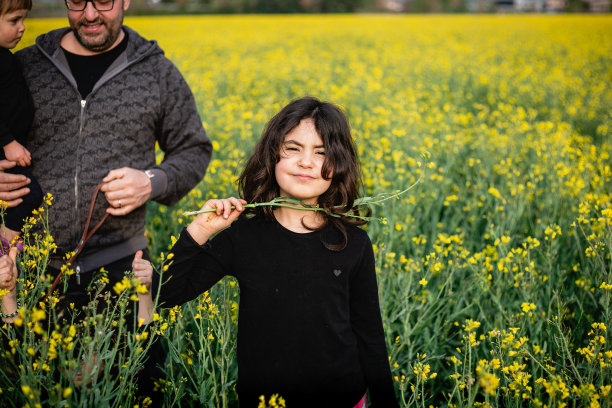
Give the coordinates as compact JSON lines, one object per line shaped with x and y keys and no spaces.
{"x":16,"y":113}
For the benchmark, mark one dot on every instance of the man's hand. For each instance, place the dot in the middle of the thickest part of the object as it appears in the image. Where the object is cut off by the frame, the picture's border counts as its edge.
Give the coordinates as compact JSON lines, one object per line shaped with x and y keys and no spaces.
{"x":126,"y":189}
{"x":14,"y":151}
{"x":12,"y":185}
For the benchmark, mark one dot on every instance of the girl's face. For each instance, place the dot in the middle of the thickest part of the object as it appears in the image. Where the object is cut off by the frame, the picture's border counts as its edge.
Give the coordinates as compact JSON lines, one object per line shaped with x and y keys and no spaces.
{"x":298,"y":172}
{"x":12,"y":28}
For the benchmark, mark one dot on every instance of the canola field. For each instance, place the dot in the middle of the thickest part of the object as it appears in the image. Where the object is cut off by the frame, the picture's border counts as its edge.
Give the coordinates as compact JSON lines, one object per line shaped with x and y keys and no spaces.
{"x":495,"y":271}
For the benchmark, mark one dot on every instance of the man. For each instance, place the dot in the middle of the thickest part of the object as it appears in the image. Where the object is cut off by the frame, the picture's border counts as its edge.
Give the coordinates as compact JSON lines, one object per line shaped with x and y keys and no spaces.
{"x":103,"y":97}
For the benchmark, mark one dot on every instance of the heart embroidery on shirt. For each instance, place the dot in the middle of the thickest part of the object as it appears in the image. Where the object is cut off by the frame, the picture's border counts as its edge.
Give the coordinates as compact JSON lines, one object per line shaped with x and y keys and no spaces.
{"x":337,"y":272}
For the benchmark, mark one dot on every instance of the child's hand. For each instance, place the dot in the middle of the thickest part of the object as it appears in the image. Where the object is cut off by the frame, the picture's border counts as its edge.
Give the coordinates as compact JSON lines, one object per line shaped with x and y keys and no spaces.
{"x":14,"y":151}
{"x":8,"y":270}
{"x":143,"y":271}
{"x":207,"y":224}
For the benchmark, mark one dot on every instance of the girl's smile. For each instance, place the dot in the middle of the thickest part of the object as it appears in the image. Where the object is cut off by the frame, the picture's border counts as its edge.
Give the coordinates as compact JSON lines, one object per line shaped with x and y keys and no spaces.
{"x":304,"y":177}
{"x":298,"y":172}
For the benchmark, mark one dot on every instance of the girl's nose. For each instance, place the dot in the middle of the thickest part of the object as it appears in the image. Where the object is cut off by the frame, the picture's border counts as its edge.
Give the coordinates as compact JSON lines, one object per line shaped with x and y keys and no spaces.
{"x":306,"y":159}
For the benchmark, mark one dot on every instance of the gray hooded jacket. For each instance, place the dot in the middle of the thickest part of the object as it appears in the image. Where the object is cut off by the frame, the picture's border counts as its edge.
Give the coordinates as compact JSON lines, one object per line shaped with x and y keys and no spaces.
{"x":141,"y":99}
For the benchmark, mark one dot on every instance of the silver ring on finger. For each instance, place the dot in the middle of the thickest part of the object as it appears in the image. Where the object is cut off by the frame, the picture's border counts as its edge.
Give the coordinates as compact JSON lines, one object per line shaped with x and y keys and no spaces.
{"x":119,"y":203}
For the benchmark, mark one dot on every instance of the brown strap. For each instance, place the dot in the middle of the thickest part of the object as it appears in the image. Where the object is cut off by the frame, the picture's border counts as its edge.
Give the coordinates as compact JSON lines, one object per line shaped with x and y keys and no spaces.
{"x":86,"y":235}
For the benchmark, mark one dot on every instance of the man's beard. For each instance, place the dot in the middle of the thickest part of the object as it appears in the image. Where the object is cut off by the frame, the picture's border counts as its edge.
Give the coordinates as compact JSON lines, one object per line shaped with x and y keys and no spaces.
{"x":97,"y":43}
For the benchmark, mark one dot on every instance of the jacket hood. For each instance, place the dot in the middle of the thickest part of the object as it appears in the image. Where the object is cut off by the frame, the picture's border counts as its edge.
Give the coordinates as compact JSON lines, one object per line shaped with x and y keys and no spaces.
{"x":137,"y":48}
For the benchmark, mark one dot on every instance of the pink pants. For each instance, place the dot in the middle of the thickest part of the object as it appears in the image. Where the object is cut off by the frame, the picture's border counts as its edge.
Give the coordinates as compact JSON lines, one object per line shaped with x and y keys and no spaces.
{"x":362,"y":403}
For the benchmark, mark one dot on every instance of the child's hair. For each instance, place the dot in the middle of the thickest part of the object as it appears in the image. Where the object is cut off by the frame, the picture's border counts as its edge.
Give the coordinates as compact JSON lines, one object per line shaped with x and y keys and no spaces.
{"x":7,"y":6}
{"x":257,"y":183}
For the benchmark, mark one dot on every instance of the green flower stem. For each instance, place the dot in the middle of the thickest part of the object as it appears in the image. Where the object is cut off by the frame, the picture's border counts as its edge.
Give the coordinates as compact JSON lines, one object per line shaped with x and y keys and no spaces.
{"x":272,"y":203}
{"x":298,"y":205}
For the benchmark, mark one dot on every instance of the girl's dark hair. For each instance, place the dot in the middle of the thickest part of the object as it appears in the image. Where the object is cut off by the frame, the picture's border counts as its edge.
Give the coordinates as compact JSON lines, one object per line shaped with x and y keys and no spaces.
{"x":257,"y":183}
{"x":7,"y":6}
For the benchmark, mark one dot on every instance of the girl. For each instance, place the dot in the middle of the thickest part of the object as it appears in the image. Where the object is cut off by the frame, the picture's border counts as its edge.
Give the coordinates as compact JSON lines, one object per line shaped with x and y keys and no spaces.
{"x":309,"y":326}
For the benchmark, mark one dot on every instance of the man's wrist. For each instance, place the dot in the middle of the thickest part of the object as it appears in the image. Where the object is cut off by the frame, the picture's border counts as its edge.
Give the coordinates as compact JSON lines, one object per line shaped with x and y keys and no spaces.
{"x":159,"y":182}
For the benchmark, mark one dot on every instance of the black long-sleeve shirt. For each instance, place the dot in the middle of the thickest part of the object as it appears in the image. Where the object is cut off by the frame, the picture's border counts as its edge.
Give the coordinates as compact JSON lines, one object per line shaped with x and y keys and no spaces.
{"x":16,"y":106}
{"x":309,"y":326}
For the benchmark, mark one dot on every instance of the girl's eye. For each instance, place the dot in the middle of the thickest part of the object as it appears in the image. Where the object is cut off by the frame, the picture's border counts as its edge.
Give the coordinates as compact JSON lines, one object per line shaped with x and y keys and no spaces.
{"x":291,"y":149}
{"x":321,"y":152}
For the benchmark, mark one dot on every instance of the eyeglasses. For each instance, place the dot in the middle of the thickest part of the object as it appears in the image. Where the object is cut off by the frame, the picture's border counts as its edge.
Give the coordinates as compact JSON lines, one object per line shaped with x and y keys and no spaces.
{"x":80,"y":5}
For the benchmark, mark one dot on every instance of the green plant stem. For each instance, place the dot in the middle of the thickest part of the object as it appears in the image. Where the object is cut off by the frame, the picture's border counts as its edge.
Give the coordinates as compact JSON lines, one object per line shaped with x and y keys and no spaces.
{"x":253,"y":205}
{"x":298,"y":205}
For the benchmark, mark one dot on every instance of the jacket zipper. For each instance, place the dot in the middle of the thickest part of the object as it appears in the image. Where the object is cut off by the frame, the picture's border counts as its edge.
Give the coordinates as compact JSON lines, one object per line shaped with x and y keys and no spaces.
{"x":76,"y":178}
{"x":76,"y":169}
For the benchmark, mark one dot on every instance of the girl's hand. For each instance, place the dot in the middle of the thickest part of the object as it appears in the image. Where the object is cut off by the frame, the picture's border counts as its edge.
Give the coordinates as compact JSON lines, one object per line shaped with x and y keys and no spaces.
{"x":143,"y":271}
{"x":8,"y":270}
{"x":14,"y":151}
{"x":207,"y":224}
